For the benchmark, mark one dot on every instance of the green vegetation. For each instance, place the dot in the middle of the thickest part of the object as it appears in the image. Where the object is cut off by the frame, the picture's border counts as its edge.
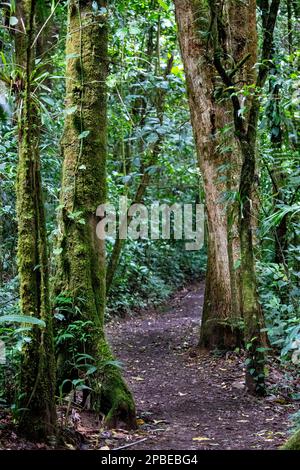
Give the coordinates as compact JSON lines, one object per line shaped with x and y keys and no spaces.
{"x":166,"y":101}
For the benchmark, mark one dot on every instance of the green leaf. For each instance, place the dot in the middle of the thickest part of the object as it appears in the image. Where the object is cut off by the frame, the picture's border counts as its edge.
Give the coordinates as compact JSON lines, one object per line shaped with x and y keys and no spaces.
{"x":22,"y":319}
{"x":134,"y":30}
{"x":59,"y":316}
{"x":237,"y":264}
{"x":113,"y":363}
{"x":85,"y":356}
{"x":126,"y":179}
{"x":163,"y":5}
{"x":262,"y":349}
{"x":48,"y":100}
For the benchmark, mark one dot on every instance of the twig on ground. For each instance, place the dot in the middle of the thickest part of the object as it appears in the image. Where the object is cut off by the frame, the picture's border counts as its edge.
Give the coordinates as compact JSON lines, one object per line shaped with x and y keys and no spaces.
{"x":131,"y":444}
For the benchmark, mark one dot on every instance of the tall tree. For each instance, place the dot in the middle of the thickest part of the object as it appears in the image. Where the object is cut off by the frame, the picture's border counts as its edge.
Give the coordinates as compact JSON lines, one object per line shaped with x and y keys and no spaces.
{"x":219,"y":45}
{"x":37,"y":401}
{"x":214,"y":147}
{"x":81,"y":271}
{"x":293,"y":443}
{"x":245,"y":126}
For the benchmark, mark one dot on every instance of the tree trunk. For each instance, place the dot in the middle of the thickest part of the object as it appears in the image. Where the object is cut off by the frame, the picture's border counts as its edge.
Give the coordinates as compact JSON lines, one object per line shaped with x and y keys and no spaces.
{"x":253,"y":318}
{"x":37,"y":382}
{"x":245,"y":126}
{"x":81,"y":271}
{"x":293,"y":442}
{"x":242,"y":28}
{"x":208,"y":119}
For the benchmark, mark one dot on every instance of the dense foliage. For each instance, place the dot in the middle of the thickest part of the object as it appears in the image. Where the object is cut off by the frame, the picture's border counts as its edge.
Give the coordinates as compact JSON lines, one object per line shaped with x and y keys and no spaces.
{"x":151,"y":148}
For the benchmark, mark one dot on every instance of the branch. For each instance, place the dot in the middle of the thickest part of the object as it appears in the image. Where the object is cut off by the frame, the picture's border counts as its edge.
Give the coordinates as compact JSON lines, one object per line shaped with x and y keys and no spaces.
{"x":238,"y":120}
{"x":268,"y":37}
{"x":131,"y":444}
{"x":225,"y":76}
{"x":271,"y":176}
{"x":239,"y":65}
{"x":265,"y":63}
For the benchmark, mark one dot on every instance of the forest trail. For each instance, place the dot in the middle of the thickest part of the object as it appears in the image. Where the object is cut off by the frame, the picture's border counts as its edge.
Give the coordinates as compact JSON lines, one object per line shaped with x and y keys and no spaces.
{"x":188,"y":399}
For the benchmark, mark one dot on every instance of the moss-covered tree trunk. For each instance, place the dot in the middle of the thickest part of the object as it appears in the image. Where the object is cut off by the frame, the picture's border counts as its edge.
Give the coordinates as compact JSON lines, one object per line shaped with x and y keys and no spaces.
{"x":37,"y":417}
{"x":253,"y":318}
{"x":209,"y":117}
{"x":81,"y":270}
{"x":237,"y":22}
{"x":246,"y":132}
{"x":293,"y":443}
{"x":245,"y":120}
{"x":219,"y":47}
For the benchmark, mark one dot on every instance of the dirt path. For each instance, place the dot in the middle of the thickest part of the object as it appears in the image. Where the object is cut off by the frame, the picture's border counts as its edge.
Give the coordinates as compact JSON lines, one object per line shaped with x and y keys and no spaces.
{"x":187,"y":399}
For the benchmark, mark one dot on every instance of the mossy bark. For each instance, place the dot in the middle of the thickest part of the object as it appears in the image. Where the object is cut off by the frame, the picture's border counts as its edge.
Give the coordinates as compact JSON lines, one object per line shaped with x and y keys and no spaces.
{"x":81,"y":267}
{"x":37,"y":417}
{"x":245,"y":128}
{"x":246,"y":132}
{"x":254,"y":323}
{"x":219,"y":45}
{"x":293,"y":443}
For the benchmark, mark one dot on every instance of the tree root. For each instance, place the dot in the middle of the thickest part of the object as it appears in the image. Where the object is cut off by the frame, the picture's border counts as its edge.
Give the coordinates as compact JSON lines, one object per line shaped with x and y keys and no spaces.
{"x":293,"y":443}
{"x":117,"y":402}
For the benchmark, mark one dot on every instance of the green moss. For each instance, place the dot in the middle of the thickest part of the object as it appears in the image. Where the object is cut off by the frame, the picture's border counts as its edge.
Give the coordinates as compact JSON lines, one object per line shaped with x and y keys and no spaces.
{"x":37,"y":417}
{"x":293,"y":443}
{"x":121,"y":408}
{"x":115,"y":398}
{"x":81,"y":268}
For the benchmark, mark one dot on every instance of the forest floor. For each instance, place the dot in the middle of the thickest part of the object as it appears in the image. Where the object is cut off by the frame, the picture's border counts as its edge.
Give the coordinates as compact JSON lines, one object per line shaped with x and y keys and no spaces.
{"x":186,"y":399}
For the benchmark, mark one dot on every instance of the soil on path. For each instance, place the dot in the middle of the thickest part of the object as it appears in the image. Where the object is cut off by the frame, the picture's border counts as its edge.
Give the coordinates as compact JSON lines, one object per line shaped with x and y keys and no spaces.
{"x":188,"y":399}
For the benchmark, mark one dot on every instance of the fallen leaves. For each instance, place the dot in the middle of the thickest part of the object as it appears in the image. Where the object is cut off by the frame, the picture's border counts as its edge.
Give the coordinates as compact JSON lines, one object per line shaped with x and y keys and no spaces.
{"x":201,"y":438}
{"x":138,"y":379}
{"x":239,"y":385}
